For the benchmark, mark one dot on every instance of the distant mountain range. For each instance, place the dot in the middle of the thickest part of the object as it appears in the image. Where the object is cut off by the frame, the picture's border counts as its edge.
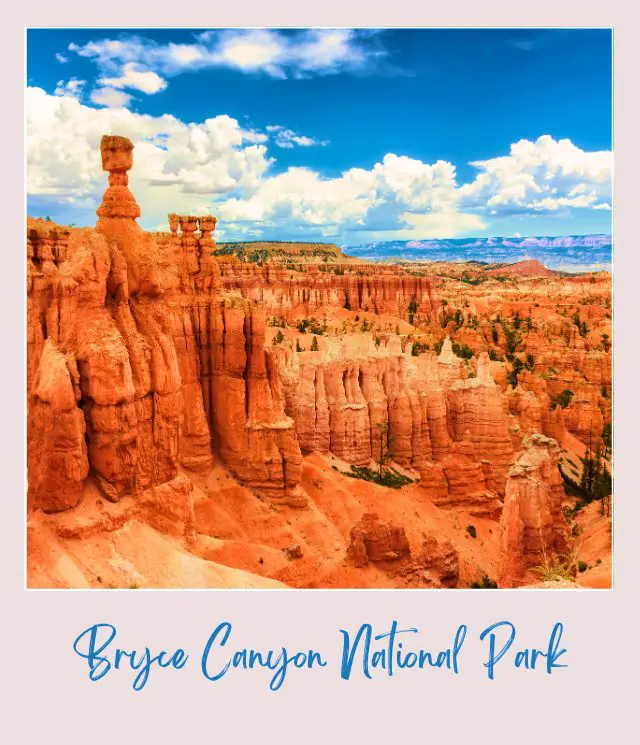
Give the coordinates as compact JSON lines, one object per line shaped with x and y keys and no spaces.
{"x":569,"y":252}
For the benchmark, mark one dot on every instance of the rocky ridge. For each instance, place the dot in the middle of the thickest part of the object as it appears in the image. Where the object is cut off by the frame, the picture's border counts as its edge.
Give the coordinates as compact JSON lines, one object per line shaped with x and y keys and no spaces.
{"x":153,"y":363}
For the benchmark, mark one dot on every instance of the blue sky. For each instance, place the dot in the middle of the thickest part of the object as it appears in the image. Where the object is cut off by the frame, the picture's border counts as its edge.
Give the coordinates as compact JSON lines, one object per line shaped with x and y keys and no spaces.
{"x":336,"y":134}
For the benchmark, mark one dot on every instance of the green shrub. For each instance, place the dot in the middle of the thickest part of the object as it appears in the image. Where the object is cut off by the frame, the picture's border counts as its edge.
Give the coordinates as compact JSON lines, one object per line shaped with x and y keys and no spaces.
{"x":389,"y":477}
{"x":564,"y":399}
{"x":582,"y":566}
{"x":513,"y":339}
{"x":471,"y":530}
{"x":484,"y":584}
{"x":418,"y":348}
{"x":560,"y":568}
{"x":573,"y":489}
{"x":412,"y":309}
{"x":606,"y":439}
{"x":463,"y":351}
{"x":516,"y":368}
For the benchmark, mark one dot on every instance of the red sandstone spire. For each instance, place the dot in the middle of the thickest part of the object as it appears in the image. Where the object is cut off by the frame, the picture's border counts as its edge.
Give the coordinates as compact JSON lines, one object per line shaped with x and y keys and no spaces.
{"x":117,"y":158}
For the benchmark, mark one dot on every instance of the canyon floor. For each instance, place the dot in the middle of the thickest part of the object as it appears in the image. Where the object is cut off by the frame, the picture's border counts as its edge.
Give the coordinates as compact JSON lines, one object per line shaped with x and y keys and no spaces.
{"x":280,"y":415}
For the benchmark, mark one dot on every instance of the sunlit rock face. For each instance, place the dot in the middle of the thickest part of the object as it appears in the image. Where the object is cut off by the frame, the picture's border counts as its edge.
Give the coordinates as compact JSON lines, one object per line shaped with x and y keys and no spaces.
{"x":142,"y":369}
{"x":234,"y":419}
{"x":533,"y":527}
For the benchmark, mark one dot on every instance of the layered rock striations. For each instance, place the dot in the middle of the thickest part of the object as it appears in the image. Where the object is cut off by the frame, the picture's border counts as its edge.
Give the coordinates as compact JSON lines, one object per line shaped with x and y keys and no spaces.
{"x":178,"y":383}
{"x":157,"y":369}
{"x":534,"y":530}
{"x":284,"y":290}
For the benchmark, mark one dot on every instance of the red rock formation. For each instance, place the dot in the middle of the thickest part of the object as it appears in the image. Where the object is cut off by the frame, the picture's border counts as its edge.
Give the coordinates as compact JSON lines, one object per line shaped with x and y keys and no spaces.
{"x":530,"y":267}
{"x":151,"y":367}
{"x":476,"y":406}
{"x":145,"y":348}
{"x":117,"y":220}
{"x":351,"y":397}
{"x":532,"y":523}
{"x":469,"y":481}
{"x":56,"y":432}
{"x":250,"y":428}
{"x":364,"y":287}
{"x":373,"y":539}
{"x":438,"y":557}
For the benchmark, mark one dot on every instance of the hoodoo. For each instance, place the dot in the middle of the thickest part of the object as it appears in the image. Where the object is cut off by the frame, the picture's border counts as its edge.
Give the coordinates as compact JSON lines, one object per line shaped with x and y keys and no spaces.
{"x":195,"y":411}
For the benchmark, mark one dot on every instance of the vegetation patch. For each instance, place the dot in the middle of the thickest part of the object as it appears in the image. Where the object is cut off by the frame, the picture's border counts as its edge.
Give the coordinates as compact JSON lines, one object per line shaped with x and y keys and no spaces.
{"x":484,"y":584}
{"x":389,"y":476}
{"x":561,"y":568}
{"x":312,"y":326}
{"x":562,"y":399}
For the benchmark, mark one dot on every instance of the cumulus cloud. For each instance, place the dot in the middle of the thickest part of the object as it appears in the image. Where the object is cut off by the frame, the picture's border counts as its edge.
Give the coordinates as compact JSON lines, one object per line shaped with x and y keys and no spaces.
{"x":61,"y":58}
{"x":542,"y":176}
{"x":178,"y":166}
{"x":219,"y":166}
{"x":287,"y":138}
{"x":405,"y":197}
{"x":136,"y":77}
{"x":72,"y":87}
{"x":110,"y":97}
{"x":392,"y":197}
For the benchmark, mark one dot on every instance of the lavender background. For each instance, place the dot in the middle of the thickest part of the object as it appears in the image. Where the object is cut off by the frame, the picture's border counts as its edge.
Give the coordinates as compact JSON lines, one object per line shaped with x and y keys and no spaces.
{"x":47,"y":696}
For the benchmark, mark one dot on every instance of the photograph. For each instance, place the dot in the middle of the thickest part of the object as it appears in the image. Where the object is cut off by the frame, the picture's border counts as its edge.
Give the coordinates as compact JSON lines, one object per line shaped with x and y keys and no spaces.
{"x":319,"y":308}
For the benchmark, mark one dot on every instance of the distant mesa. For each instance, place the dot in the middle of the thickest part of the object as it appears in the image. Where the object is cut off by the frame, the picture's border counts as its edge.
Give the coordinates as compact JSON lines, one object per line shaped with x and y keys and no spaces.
{"x":285,"y":252}
{"x":528,"y":268}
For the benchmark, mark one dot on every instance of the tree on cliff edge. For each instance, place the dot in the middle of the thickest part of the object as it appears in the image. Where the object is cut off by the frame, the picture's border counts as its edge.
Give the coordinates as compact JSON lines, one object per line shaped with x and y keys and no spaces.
{"x":385,"y":454}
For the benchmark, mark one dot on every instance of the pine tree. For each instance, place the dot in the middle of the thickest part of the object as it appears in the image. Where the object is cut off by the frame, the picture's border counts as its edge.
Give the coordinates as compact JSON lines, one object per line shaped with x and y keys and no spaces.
{"x":384,"y":454}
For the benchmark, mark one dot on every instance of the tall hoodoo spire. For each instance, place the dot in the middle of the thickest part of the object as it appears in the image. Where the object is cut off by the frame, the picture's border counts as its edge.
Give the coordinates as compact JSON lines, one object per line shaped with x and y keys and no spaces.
{"x":117,"y":158}
{"x":117,"y":220}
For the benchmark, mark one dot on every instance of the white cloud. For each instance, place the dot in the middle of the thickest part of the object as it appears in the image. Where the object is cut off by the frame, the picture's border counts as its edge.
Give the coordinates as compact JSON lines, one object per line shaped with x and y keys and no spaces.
{"x":61,"y":58}
{"x":250,"y":51}
{"x":178,"y":167}
{"x":399,"y":196}
{"x":72,"y":87}
{"x":287,"y":138}
{"x":298,"y":53}
{"x":542,"y":176}
{"x":110,"y":97}
{"x":133,"y":76}
{"x":219,"y":166}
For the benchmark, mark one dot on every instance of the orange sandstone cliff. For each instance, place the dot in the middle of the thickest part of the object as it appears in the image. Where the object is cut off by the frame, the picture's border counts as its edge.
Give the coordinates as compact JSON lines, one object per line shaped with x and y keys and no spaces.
{"x":199,"y":420}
